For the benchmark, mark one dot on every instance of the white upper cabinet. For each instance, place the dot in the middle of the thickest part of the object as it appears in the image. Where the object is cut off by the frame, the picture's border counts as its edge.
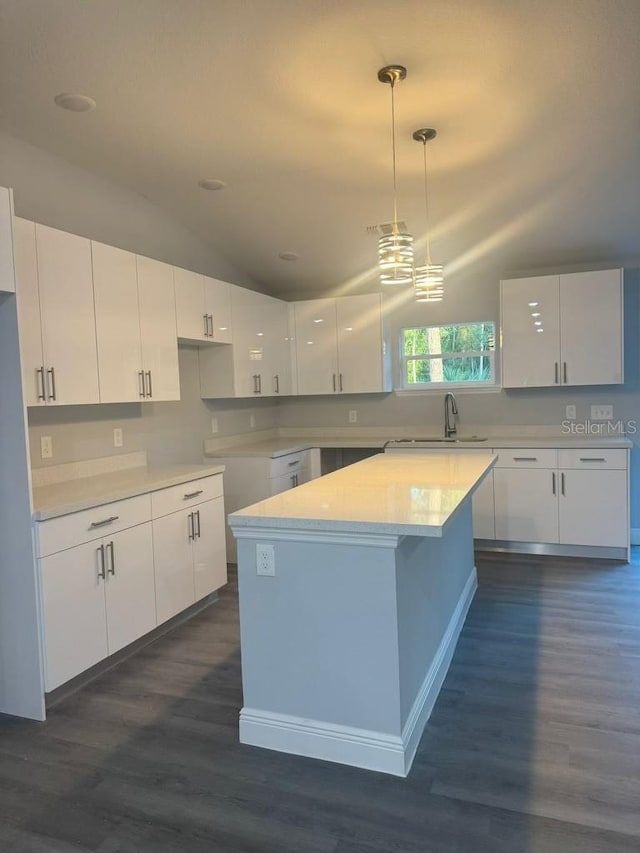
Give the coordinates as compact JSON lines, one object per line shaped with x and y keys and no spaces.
{"x":562,"y":330}
{"x":7,"y":274}
{"x":340,"y":345}
{"x":56,"y":313}
{"x":591,"y":328}
{"x":217,"y":305}
{"x":28,"y":303}
{"x":203,"y":308}
{"x":115,"y":286}
{"x":158,"y":338}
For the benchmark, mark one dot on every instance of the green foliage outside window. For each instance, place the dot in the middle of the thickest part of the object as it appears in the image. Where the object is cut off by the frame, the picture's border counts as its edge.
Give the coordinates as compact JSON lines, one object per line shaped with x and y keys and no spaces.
{"x":457,"y":354}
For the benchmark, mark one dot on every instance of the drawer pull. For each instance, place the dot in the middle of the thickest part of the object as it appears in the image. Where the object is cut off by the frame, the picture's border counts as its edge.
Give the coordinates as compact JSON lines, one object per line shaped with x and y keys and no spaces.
{"x":295,"y":462}
{"x":104,"y":521}
{"x":525,"y":458}
{"x":190,"y":495}
{"x":592,"y":459}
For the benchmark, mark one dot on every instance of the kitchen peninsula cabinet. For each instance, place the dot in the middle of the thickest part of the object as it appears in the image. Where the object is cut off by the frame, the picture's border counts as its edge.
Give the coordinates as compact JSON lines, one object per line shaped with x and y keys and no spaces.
{"x":340,"y":346}
{"x":56,"y":315}
{"x":562,"y":330}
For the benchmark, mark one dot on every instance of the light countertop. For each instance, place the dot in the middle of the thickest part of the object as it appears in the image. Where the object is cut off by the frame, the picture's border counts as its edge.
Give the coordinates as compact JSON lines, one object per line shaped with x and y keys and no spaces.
{"x":281,"y":446}
{"x":386,"y":494}
{"x":86,"y":492}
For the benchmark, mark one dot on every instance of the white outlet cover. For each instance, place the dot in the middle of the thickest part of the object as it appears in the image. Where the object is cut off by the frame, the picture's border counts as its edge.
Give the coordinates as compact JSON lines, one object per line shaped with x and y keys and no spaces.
{"x":601,"y":413}
{"x":46,"y":447}
{"x":117,"y":437}
{"x":353,"y":416}
{"x":265,"y":559}
{"x":252,"y":421}
{"x":571,"y":413}
{"x":214,"y":426}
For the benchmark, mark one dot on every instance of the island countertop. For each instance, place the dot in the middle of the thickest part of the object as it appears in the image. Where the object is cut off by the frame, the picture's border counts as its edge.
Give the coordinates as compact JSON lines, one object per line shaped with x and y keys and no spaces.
{"x":394,"y":494}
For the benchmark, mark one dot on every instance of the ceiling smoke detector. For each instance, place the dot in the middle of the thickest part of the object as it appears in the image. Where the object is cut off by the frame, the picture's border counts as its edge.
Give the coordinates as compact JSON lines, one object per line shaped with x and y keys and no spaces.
{"x":288,"y":256}
{"x":75,"y":103}
{"x":211,"y":184}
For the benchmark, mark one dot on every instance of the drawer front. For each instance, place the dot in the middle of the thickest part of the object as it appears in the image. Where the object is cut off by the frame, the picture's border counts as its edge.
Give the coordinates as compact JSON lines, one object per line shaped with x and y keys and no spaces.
{"x":607,"y":459}
{"x":58,"y":534}
{"x":194,"y":492}
{"x":526,"y":457}
{"x":290,"y":463}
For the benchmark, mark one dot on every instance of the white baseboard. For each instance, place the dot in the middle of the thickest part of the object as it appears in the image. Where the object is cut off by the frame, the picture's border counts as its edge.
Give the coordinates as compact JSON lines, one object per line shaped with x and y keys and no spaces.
{"x":371,"y":750}
{"x":635,"y":535}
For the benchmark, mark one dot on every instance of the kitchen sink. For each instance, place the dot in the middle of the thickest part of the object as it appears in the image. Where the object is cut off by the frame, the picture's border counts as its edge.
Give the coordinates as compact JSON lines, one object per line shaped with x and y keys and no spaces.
{"x":408,"y":442}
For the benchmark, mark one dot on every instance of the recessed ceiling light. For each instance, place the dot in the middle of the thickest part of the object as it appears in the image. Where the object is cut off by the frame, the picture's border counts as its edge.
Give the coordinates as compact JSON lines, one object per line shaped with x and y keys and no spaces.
{"x":320,"y":320}
{"x":532,"y":304}
{"x":535,"y":313}
{"x":211,"y":184}
{"x":288,"y":256}
{"x":538,"y":323}
{"x":74,"y":102}
{"x":539,"y":330}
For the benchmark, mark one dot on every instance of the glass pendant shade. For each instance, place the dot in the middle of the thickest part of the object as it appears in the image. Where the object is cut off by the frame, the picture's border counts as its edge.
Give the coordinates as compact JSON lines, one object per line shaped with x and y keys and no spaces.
{"x":428,"y":283}
{"x":395,"y":258}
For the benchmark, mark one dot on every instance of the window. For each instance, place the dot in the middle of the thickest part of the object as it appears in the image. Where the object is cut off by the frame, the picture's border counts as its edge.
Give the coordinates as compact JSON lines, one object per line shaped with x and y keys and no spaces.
{"x":438,"y":356}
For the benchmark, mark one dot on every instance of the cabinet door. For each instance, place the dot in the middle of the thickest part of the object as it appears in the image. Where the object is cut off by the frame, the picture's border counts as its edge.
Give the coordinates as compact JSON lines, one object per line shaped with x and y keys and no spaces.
{"x":28,"y":303}
{"x":158,"y":329}
{"x":530,"y":332}
{"x":316,"y":346}
{"x":117,"y":323}
{"x":7,"y":271}
{"x":591,"y":327}
{"x":209,"y":549}
{"x":68,"y":321}
{"x":525,"y":504}
{"x":593,"y":508}
{"x":359,"y":332}
{"x":74,"y":616}
{"x":217,"y":306}
{"x":281,"y":378}
{"x":251,"y":334}
{"x":191,"y":317}
{"x":130,"y":586}
{"x":173,"y":561}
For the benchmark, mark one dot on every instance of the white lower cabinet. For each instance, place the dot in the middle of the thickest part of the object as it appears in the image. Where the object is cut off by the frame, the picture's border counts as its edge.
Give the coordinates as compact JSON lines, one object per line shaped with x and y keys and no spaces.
{"x":188,"y":544}
{"x":111,"y":574}
{"x":593,"y":508}
{"x":97,"y":598}
{"x":525,"y":504}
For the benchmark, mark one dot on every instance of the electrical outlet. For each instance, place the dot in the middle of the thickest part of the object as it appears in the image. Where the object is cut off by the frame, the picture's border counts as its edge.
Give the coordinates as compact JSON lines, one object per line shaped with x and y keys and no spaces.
{"x":353,"y":416}
{"x":117,"y":437}
{"x":571,"y":413}
{"x":265,"y":560}
{"x":46,"y":447}
{"x":601,"y":413}
{"x":252,"y":421}
{"x":214,"y":426}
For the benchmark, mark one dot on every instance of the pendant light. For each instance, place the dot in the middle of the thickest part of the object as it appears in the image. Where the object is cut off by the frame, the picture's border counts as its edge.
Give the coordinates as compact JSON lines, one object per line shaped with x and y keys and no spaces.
{"x":395,"y":250}
{"x":428,"y":279}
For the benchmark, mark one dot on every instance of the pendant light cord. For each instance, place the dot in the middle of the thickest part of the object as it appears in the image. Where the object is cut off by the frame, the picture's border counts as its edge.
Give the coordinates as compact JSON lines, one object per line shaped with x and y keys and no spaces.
{"x":393,"y":154}
{"x":426,"y":200}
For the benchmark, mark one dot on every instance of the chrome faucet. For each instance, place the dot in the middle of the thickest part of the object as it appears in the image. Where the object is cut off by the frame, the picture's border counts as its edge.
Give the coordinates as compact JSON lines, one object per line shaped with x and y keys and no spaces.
{"x":449,"y":415}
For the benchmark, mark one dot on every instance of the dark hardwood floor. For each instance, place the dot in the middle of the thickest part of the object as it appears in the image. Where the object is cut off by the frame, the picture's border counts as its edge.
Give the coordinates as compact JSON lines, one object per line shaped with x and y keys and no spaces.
{"x":533,"y":747}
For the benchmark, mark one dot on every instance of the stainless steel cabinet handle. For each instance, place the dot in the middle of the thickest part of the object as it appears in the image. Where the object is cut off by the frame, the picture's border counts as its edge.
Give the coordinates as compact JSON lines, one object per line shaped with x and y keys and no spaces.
{"x":111,"y":559}
{"x":210,"y":324}
{"x":196,"y":532}
{"x":192,"y":534}
{"x":255,"y":383}
{"x":41,"y":393}
{"x":564,"y":372}
{"x":52,"y":373}
{"x":592,"y":459}
{"x":334,"y":382}
{"x":259,"y":383}
{"x":205,"y":318}
{"x":294,"y":480}
{"x":190,"y":495}
{"x":556,"y":372}
{"x":553,"y":482}
{"x":562,"y":483}
{"x":141,"y":386}
{"x":101,"y":572}
{"x":104,"y":521}
{"x":525,"y":458}
{"x":341,"y":382}
{"x":150,"y":394}
{"x":295,"y":462}
{"x":276,"y":384}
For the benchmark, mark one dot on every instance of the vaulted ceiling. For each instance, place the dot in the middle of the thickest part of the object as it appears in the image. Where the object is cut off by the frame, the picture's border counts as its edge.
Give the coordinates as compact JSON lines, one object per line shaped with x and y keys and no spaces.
{"x":536,"y":104}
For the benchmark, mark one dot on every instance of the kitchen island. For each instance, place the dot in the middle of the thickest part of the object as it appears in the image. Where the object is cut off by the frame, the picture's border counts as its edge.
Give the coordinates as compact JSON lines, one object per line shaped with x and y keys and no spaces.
{"x":353,"y":590}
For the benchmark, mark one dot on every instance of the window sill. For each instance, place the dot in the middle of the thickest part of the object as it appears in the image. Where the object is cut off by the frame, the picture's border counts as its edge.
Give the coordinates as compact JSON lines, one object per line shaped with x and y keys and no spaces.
{"x":442,"y":389}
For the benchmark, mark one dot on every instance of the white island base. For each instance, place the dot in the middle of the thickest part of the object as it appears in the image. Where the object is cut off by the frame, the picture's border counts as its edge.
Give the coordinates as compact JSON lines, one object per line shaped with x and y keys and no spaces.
{"x":345,"y":648}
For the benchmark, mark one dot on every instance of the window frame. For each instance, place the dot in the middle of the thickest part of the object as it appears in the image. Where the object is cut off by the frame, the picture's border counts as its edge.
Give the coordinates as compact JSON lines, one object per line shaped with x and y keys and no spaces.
{"x":468,"y":385}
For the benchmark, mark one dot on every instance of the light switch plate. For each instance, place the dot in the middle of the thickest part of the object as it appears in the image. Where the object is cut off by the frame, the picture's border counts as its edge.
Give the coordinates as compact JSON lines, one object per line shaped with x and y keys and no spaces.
{"x":353,"y":416}
{"x":570,"y":413}
{"x":601,"y":413}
